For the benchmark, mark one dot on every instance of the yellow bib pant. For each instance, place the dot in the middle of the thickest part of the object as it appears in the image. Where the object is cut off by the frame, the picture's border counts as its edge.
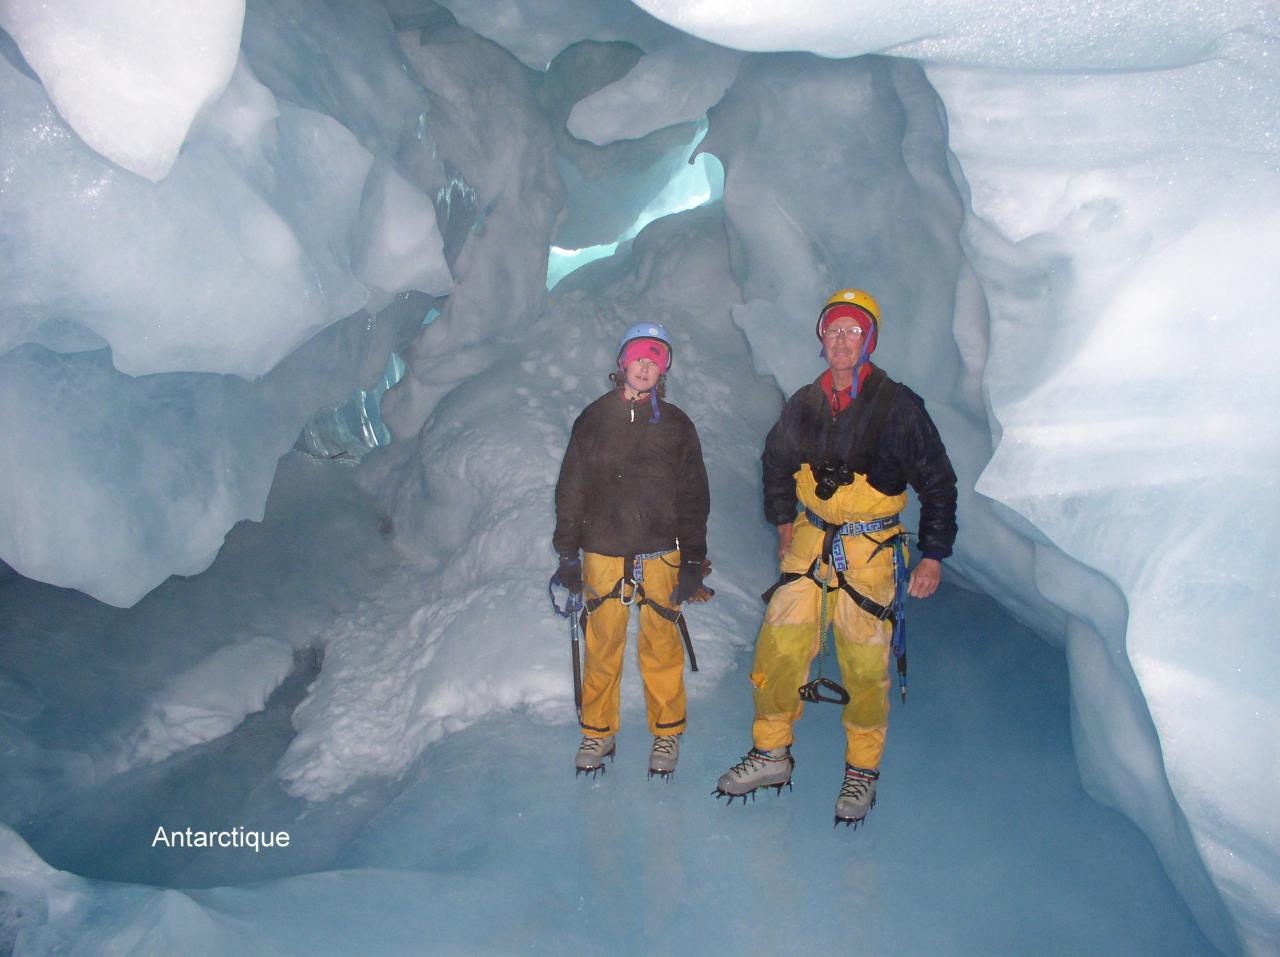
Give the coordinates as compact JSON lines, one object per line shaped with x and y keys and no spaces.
{"x":659,"y":647}
{"x":789,"y":638}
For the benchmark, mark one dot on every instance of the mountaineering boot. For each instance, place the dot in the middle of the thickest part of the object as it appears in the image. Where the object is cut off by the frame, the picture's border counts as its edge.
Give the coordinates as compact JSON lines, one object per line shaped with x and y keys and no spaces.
{"x":592,"y":752}
{"x":665,"y":754}
{"x":759,"y":769}
{"x":857,"y":795}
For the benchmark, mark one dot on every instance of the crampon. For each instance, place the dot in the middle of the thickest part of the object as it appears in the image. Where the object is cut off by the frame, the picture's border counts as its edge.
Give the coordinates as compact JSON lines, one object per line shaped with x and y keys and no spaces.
{"x":592,"y":772}
{"x":853,"y":821}
{"x":718,"y":793}
{"x":663,"y":757}
{"x":757,"y":771}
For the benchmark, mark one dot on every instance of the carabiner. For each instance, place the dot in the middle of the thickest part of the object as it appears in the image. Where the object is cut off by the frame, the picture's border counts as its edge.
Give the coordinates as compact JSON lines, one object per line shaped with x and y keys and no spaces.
{"x":622,"y":593}
{"x":814,"y":689}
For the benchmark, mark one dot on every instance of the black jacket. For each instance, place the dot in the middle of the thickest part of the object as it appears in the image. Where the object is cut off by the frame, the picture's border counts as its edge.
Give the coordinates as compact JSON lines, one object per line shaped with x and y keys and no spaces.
{"x":907,"y":451}
{"x":629,"y":486}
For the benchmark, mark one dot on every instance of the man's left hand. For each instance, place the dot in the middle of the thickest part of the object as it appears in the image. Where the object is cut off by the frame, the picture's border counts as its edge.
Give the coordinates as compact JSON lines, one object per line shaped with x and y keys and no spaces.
{"x":925,"y":578}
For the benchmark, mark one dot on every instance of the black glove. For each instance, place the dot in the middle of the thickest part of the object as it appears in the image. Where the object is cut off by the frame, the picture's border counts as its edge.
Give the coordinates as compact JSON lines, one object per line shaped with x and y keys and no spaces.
{"x":689,"y":582}
{"x":569,"y":575}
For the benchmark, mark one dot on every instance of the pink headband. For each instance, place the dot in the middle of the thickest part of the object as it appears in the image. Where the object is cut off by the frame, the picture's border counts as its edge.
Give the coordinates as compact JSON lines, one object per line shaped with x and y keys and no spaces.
{"x":843,"y":311}
{"x":650,"y":349}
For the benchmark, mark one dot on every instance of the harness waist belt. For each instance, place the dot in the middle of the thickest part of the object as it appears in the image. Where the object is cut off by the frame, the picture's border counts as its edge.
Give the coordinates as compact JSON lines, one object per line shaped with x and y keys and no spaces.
{"x":851,"y":528}
{"x":833,"y":535}
{"x":633,"y":565}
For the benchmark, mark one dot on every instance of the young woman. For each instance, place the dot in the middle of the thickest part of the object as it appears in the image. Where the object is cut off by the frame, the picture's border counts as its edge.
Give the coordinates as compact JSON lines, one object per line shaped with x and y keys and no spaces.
{"x":632,"y":497}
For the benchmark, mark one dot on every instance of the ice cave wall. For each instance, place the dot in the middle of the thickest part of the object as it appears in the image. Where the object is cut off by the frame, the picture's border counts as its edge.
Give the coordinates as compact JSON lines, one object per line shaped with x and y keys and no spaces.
{"x":1070,"y":217}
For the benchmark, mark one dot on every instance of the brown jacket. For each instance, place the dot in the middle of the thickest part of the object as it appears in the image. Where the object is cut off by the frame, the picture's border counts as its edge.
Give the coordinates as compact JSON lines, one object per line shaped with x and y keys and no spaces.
{"x":629,"y":485}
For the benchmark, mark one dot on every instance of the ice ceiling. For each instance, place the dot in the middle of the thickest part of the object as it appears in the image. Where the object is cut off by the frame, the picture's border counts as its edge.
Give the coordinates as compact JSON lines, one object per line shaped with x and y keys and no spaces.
{"x":216,"y":220}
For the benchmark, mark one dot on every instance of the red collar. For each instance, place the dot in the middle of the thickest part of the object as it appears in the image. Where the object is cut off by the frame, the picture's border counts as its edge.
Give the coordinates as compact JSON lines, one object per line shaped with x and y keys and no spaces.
{"x":839,"y":401}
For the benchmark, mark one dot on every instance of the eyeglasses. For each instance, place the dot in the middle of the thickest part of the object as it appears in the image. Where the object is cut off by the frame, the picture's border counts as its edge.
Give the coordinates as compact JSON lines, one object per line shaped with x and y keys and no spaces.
{"x":849,"y":332}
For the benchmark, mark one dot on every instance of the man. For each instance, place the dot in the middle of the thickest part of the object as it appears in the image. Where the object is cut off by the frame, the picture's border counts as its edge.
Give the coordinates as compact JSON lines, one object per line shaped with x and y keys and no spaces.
{"x":632,"y":494}
{"x":846,"y":446}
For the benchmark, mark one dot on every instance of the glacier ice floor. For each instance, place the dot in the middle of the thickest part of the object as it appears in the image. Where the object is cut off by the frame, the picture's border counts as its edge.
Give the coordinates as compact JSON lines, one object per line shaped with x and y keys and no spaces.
{"x":983,"y":840}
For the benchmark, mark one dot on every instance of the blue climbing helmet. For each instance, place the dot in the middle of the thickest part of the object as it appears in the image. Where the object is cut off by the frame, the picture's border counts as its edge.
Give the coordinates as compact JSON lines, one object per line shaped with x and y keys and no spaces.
{"x":648,"y":330}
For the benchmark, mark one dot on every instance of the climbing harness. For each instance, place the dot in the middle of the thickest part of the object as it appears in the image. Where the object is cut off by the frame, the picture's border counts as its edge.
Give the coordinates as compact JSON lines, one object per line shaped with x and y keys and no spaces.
{"x":836,"y":562}
{"x":848,"y":528}
{"x":629,"y":590}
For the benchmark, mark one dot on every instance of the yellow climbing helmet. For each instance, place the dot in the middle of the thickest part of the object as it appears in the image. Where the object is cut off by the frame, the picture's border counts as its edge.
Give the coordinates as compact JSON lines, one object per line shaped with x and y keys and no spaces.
{"x":851,"y":297}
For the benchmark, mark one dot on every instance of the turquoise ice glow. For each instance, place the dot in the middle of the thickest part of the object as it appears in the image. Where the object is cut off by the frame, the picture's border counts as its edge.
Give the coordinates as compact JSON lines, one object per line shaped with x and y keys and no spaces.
{"x":698,"y":182}
{"x":355,"y":428}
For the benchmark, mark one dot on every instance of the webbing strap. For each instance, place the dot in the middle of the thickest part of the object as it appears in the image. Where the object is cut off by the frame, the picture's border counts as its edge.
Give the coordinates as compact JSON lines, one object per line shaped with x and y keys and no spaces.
{"x":869,"y":605}
{"x":688,"y":643}
{"x":593,"y":603}
{"x":852,"y":528}
{"x":636,"y":566}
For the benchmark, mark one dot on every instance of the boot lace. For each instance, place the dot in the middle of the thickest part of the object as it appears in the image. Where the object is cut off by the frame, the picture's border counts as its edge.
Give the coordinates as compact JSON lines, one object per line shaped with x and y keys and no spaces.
{"x":752,"y":761}
{"x":855,"y":785}
{"x":664,"y":744}
{"x":591,"y":745}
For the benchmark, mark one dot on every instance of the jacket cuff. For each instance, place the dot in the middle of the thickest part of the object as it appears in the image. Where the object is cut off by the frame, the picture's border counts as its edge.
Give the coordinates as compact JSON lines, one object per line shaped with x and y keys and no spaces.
{"x":693,"y":555}
{"x":776,"y":517}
